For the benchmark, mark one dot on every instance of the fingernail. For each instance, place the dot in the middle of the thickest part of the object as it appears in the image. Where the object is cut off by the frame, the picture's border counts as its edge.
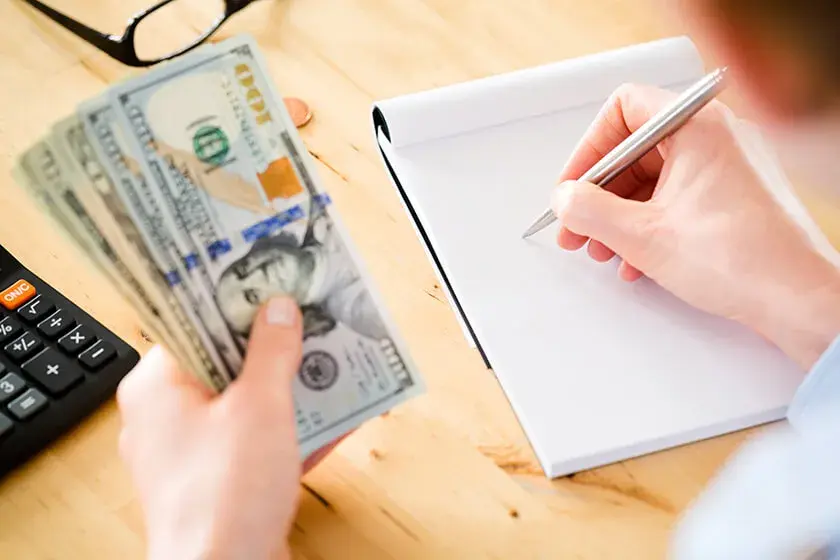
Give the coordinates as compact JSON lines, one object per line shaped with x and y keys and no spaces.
{"x":560,"y":197}
{"x":281,"y":312}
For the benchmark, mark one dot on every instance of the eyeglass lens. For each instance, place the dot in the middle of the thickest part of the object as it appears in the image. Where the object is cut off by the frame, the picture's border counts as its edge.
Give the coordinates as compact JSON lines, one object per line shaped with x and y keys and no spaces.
{"x":175,"y":26}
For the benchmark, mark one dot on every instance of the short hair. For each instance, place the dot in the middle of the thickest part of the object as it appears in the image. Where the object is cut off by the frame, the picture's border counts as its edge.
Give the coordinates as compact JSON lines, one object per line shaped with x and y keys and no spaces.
{"x":810,"y":28}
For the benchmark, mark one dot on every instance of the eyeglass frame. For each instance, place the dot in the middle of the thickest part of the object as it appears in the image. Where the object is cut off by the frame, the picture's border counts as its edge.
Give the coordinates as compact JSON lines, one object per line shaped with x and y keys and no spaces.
{"x":122,"y":48}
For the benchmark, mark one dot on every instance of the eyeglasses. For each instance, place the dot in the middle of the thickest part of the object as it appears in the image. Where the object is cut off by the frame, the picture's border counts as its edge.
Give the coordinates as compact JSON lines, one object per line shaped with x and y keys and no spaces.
{"x":156,"y":34}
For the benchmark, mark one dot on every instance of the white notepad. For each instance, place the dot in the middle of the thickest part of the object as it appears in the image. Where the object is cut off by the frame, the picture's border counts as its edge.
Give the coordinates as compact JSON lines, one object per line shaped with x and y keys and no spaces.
{"x":597,"y":370}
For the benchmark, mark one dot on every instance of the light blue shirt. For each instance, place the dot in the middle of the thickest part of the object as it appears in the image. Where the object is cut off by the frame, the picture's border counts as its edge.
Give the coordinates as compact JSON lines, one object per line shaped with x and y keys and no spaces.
{"x":778,"y":498}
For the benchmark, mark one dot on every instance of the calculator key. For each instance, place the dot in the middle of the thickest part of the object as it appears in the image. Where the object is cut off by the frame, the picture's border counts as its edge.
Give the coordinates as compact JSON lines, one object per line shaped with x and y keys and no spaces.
{"x":97,"y":355}
{"x":28,"y":404}
{"x":9,"y":327}
{"x":10,"y":386}
{"x":6,"y":425}
{"x":23,"y":347}
{"x":76,"y":340}
{"x":17,"y":294}
{"x":56,"y":324}
{"x":52,"y":370}
{"x":36,"y":309}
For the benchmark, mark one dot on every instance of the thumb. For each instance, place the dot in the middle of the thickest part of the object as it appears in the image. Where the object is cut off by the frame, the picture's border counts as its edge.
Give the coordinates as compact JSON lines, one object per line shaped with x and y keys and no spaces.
{"x":275,"y":345}
{"x":591,"y":211}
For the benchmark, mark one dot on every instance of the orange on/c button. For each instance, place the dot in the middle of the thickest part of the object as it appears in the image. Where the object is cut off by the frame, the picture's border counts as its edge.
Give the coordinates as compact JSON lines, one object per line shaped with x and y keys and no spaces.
{"x":17,"y":294}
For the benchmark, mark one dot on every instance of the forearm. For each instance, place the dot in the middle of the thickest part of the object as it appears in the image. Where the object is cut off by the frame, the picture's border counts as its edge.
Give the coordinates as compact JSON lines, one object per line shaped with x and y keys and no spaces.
{"x":801,"y":311}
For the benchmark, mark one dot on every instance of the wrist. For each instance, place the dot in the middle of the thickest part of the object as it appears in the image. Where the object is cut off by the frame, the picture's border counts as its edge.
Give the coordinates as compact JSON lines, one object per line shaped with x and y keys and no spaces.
{"x":186,"y":544}
{"x":802,"y":316}
{"x":164,"y":547}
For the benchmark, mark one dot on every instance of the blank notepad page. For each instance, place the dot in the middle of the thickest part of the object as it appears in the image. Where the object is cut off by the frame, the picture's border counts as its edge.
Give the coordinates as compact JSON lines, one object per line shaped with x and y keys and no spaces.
{"x":597,"y":370}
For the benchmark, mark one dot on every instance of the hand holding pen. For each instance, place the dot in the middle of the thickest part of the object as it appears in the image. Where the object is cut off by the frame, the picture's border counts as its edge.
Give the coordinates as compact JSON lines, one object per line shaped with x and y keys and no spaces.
{"x":664,"y":123}
{"x":698,"y":217}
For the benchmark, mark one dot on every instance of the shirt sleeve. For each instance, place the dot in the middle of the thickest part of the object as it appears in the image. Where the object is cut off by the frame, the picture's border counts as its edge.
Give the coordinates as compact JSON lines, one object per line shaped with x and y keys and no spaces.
{"x":778,"y":497}
{"x":819,"y":390}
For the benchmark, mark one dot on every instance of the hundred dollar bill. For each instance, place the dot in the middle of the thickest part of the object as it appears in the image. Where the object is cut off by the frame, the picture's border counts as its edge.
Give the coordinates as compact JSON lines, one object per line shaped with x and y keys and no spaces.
{"x":95,"y":202}
{"x":24,"y":176}
{"x":153,"y":207}
{"x":44,"y":170}
{"x":41,"y":174}
{"x":234,"y":179}
{"x":140,"y":228}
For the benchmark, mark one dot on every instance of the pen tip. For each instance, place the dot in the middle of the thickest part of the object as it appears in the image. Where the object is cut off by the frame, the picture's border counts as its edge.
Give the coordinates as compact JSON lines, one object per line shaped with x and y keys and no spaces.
{"x":541,"y":223}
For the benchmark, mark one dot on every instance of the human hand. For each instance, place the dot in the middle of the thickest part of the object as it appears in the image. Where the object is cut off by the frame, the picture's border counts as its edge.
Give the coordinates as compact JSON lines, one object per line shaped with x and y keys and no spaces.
{"x":217,"y":476}
{"x":698,"y":215}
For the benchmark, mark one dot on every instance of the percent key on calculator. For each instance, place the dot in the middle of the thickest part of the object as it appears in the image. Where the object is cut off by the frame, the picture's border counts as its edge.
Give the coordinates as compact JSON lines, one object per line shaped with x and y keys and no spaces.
{"x":9,"y":327}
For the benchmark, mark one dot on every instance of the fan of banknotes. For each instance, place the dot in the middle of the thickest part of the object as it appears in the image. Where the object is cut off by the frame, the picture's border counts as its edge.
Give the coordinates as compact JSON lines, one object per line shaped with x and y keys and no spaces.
{"x":190,"y":189}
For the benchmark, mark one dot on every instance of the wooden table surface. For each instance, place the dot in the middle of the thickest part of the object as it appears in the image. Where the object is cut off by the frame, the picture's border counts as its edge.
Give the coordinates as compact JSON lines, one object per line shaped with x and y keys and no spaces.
{"x":448,"y":475}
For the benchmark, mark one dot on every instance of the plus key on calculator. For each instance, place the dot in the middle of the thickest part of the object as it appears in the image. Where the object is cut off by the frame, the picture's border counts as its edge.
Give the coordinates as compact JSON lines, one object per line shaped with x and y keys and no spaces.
{"x":57,"y":363}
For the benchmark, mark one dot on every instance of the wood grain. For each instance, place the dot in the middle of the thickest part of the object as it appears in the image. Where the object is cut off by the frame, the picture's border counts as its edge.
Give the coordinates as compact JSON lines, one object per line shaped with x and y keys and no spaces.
{"x":448,"y":475}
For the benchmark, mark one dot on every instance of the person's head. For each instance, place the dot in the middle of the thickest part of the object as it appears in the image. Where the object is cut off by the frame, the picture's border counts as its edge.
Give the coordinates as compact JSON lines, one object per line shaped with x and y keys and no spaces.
{"x":784,"y":55}
{"x":273,"y":266}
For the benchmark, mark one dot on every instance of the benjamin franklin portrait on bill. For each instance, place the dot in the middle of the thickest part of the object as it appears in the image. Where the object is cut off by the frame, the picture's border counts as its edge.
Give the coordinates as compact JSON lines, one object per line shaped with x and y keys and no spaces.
{"x":318,"y":273}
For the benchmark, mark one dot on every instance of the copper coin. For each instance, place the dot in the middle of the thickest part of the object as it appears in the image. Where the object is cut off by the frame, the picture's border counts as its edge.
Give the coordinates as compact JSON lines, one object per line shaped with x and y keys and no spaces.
{"x":298,"y":110}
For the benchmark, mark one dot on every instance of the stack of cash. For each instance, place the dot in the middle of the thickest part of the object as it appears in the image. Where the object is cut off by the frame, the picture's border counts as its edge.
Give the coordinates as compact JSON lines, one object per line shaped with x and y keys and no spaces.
{"x":191,"y":191}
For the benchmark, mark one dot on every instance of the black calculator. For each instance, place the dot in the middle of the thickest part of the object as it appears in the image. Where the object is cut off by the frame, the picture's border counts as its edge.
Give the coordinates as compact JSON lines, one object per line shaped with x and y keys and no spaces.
{"x":57,"y":364}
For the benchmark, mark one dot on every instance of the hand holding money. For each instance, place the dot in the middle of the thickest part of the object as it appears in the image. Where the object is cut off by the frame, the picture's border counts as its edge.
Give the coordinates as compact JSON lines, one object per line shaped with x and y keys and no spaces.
{"x":214,"y":452}
{"x":191,"y":191}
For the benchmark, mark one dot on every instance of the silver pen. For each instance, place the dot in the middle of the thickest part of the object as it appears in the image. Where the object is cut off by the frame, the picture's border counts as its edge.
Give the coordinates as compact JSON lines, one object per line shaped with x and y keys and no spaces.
{"x":634,"y":147}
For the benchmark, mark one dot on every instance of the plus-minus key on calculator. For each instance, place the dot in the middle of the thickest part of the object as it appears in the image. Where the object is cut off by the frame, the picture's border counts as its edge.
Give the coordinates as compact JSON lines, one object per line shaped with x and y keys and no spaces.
{"x":57,"y":365}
